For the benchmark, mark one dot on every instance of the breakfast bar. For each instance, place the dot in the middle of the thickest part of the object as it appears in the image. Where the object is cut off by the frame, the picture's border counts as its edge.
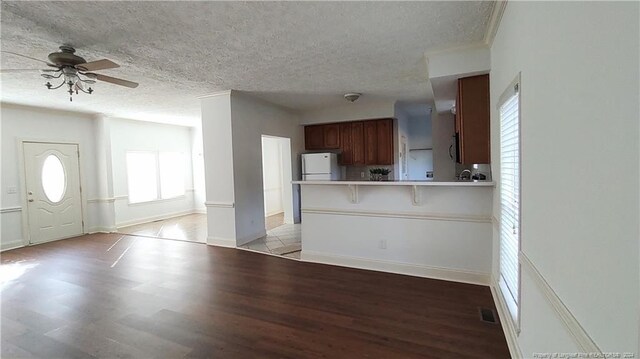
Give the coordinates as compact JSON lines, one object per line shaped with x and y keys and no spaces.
{"x":423,"y":228}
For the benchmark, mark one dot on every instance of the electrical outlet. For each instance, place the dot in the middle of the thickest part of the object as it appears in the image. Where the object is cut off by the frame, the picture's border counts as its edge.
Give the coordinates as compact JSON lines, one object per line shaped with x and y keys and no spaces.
{"x":383,"y":244}
{"x":12,"y":190}
{"x":361,"y":174}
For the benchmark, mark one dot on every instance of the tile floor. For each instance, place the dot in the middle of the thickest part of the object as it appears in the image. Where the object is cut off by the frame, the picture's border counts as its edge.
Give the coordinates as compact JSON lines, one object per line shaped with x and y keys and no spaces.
{"x":283,"y":240}
{"x":192,"y":227}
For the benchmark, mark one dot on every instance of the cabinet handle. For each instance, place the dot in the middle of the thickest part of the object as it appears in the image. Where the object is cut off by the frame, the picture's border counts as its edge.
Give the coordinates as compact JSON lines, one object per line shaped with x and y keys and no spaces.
{"x":450,"y":148}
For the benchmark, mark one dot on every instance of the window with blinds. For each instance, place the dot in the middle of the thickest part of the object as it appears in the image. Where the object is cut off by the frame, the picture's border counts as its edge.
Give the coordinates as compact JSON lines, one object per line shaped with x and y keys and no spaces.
{"x":510,"y":198}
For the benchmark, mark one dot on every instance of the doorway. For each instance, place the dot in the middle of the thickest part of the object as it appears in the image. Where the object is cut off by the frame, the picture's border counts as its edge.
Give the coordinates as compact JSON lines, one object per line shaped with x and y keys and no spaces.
{"x":283,"y":236}
{"x":53,"y":194}
{"x":276,"y":181}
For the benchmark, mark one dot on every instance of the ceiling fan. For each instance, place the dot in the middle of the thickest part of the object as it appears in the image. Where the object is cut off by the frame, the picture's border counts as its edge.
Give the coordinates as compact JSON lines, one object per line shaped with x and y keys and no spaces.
{"x":74,"y":71}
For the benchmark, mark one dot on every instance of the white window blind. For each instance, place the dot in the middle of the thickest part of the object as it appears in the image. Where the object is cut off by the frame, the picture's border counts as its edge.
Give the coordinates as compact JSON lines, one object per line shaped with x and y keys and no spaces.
{"x":510,"y":198}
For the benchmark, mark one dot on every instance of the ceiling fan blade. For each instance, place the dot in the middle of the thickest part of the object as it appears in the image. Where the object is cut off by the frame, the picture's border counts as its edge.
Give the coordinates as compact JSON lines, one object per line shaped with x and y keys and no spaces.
{"x":116,"y":81}
{"x":97,"y":65}
{"x":6,"y":71}
{"x":27,"y":57}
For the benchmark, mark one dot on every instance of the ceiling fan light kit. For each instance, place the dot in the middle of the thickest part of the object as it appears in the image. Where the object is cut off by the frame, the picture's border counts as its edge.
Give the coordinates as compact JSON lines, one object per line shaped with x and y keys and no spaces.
{"x":74,"y":71}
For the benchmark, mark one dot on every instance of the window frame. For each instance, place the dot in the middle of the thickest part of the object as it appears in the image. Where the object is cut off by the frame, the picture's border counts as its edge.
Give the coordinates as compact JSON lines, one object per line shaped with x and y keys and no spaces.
{"x":156,"y":155}
{"x":514,"y":88}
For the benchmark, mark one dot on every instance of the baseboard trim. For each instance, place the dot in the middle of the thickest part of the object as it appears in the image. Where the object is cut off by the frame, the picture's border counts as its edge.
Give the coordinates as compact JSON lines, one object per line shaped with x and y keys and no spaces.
{"x":509,"y":330}
{"x":221,"y":242}
{"x":102,"y":230}
{"x":246,"y":239}
{"x":452,"y":275}
{"x":272,"y":213}
{"x":571,"y":324}
{"x":154,"y":218}
{"x":15,"y":244}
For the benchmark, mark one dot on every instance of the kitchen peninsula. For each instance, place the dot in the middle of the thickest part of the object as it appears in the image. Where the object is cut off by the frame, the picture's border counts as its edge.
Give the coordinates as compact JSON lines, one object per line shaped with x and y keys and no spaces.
{"x":423,"y":228}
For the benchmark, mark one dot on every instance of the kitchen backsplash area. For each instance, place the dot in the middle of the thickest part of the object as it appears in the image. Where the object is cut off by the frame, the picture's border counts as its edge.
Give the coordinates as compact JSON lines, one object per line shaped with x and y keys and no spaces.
{"x":354,"y":173}
{"x":482,"y":168}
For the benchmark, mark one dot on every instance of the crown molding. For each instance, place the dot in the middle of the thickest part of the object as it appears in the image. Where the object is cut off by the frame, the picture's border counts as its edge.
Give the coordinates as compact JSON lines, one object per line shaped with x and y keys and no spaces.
{"x":494,"y":21}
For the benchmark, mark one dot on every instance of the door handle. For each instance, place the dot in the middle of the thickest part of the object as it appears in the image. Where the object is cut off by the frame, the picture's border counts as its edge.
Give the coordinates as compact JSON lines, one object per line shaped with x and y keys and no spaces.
{"x":30,"y":199}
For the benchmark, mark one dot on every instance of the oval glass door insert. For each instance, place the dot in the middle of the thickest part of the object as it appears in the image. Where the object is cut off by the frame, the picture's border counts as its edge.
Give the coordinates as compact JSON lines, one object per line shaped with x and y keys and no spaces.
{"x":54,"y":180}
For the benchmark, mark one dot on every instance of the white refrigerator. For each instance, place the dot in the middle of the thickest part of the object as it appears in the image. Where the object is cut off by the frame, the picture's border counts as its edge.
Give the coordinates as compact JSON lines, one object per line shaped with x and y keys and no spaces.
{"x":320,"y":167}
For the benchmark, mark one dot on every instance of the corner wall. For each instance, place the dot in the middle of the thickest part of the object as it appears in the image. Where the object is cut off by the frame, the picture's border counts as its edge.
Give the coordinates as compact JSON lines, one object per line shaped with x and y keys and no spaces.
{"x":36,"y":124}
{"x":580,"y":151}
{"x":250,"y":119}
{"x":128,"y":135}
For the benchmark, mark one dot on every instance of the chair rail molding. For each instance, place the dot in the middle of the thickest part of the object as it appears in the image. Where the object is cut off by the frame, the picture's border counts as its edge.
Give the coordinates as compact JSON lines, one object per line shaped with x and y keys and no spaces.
{"x":219,"y":204}
{"x":101,"y":200}
{"x":571,"y":324}
{"x":407,"y":215}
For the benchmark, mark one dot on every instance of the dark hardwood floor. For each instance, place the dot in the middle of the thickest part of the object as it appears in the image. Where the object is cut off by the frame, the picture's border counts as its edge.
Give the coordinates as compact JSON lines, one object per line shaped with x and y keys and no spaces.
{"x":109,"y":295}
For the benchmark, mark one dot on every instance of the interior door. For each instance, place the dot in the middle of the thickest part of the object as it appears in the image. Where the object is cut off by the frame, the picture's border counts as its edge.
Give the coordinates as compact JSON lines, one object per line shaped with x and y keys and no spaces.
{"x":52,"y":178}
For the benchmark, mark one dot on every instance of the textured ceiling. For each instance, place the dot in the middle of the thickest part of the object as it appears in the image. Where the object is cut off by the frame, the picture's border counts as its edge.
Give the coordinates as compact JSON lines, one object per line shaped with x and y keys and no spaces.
{"x":299,"y":55}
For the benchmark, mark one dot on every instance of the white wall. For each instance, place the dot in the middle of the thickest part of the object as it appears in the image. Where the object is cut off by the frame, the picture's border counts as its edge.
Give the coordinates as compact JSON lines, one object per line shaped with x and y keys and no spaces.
{"x":580,"y":151}
{"x":128,"y":135}
{"x":219,"y":169}
{"x":359,"y":110}
{"x":272,"y":176}
{"x":402,"y":134}
{"x":197,"y":160}
{"x":104,"y":203}
{"x":44,"y":125}
{"x":251,"y":118}
{"x":446,"y":235}
{"x":420,"y":133}
{"x":443,"y":128}
{"x":103,"y":143}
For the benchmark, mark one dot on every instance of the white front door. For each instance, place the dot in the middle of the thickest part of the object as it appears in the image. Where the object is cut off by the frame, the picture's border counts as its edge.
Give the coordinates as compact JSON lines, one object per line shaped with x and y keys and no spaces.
{"x":52,"y":178}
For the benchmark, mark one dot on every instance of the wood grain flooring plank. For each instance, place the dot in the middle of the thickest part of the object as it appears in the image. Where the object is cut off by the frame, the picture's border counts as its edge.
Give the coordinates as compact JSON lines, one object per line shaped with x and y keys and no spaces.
{"x":174,"y":299}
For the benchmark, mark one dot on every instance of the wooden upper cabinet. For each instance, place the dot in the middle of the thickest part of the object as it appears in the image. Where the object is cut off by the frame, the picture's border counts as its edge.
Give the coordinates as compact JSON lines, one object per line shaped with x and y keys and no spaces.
{"x":331,"y":136}
{"x":357,"y":142}
{"x":472,"y":120}
{"x":370,"y":142}
{"x":346,"y":144}
{"x":384,"y":130}
{"x":367,"y":142}
{"x":314,"y":137}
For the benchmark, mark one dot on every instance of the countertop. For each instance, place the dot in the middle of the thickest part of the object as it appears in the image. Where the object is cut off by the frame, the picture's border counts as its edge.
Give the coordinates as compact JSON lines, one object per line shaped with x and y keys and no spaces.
{"x":401,"y":183}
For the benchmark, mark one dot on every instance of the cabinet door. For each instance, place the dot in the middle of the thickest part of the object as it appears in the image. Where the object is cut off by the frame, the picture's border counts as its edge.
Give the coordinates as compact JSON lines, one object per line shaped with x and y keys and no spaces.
{"x":331,"y":136}
{"x":346,"y":144}
{"x":385,"y":141}
{"x":473,"y":112}
{"x":370,"y":143}
{"x":357,"y":142}
{"x":313,"y":137}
